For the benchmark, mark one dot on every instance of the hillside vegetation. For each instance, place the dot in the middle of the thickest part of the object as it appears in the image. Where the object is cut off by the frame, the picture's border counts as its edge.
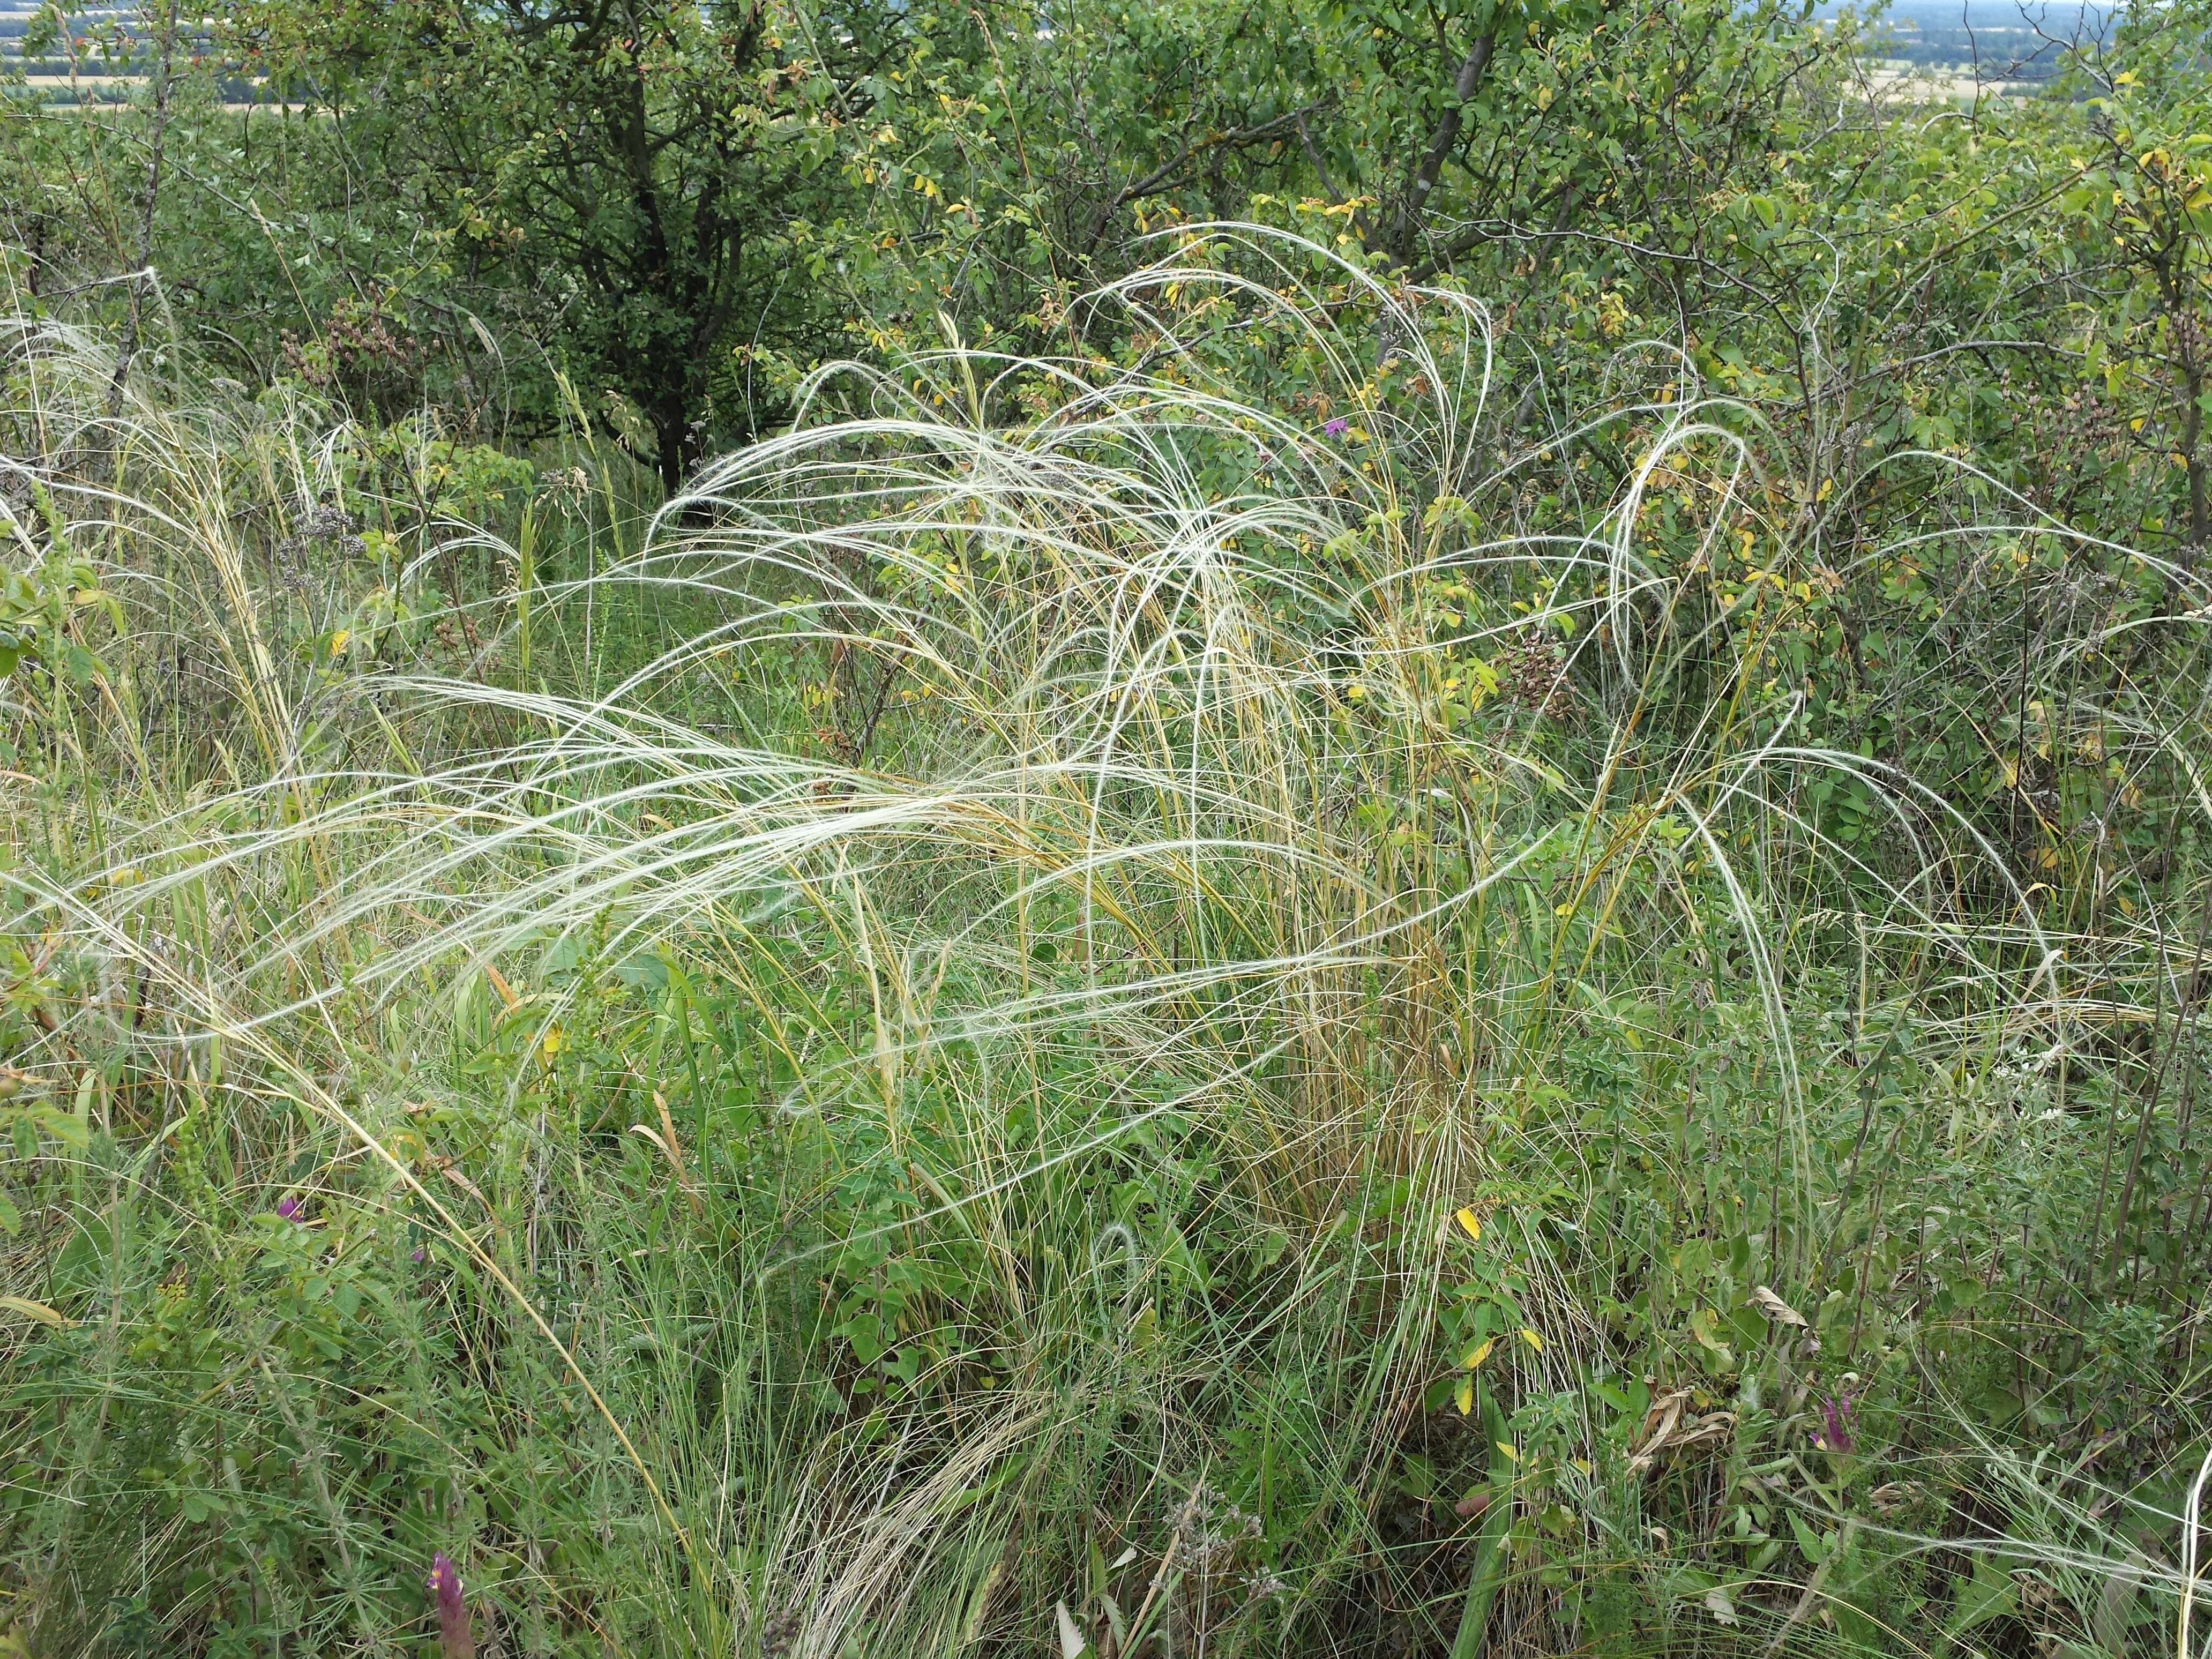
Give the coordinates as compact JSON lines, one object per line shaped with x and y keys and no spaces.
{"x":839,"y":830}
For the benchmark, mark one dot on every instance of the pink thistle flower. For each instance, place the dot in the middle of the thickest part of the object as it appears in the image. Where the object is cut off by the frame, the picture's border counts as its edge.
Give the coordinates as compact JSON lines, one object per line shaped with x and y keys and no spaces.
{"x":453,"y":1634}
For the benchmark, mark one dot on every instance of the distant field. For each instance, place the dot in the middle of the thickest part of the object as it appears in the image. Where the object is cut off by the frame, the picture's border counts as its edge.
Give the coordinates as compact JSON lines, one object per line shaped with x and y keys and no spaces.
{"x":1988,"y":41}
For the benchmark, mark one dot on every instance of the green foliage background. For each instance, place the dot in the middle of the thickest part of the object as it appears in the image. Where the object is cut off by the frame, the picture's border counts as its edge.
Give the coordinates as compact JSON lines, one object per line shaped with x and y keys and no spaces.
{"x":1133,"y":829}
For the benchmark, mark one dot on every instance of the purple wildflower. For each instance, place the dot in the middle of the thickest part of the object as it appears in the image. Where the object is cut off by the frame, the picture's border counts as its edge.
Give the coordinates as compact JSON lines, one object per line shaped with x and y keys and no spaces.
{"x":453,"y":1635}
{"x":418,"y":1254}
{"x":1835,"y":1434}
{"x":289,"y":1208}
{"x":1335,"y":428}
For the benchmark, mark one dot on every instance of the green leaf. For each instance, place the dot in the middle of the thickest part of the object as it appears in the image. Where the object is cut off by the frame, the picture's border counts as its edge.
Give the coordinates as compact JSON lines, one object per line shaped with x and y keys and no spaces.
{"x":1809,"y":1541}
{"x":1988,"y":1594}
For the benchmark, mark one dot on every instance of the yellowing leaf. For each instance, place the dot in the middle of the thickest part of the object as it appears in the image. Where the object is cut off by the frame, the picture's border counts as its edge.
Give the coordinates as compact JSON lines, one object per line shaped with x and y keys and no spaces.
{"x":1506,"y":1449}
{"x":1532,"y":1338}
{"x":1764,"y":1299}
{"x":1476,"y":1356}
{"x":1468,"y":1219}
{"x":35,"y":1310}
{"x":1464,"y":1399}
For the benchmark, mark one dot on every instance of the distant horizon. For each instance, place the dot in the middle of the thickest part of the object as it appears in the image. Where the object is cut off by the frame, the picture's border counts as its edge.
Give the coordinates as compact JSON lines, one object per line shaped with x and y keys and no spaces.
{"x":1998,"y":42}
{"x":1995,"y":13}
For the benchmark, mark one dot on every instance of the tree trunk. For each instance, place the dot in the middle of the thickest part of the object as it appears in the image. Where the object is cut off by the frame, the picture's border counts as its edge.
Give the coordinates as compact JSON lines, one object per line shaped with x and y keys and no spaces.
{"x":164,"y":53}
{"x":672,"y":433}
{"x":1415,"y":206}
{"x":2192,"y":434}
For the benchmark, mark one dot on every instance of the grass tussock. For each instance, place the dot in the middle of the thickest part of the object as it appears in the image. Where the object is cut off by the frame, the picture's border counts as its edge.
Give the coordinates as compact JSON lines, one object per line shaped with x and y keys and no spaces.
{"x":1066,"y":1005}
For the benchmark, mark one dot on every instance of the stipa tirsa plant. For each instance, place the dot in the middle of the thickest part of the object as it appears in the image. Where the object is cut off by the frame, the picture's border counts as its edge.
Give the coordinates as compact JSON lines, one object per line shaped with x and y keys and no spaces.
{"x":1157,"y":769}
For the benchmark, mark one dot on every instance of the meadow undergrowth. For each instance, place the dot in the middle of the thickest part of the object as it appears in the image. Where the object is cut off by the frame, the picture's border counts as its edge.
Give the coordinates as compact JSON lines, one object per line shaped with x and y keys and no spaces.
{"x":1203,"y":1003}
